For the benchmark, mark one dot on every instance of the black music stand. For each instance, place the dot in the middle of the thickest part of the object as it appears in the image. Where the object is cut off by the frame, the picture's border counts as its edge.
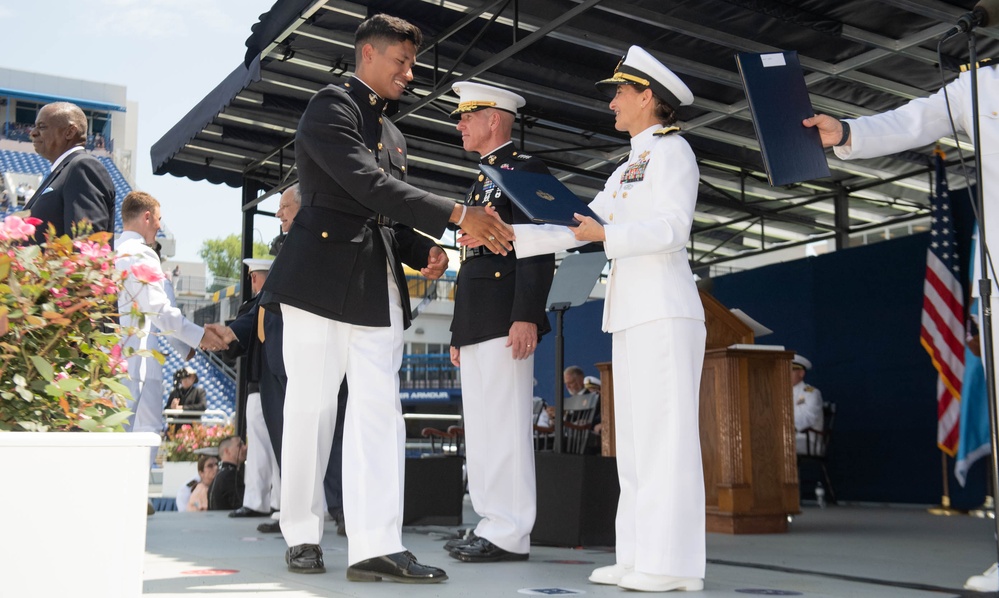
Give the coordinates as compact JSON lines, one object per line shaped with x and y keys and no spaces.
{"x":571,"y":287}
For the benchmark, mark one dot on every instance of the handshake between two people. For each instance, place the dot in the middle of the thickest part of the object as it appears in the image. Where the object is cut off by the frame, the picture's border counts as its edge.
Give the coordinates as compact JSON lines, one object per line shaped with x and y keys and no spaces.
{"x":484,"y":227}
{"x":217,"y":337}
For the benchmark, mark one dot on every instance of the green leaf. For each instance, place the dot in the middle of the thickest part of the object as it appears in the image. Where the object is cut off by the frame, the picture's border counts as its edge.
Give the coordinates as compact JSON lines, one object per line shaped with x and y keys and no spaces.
{"x":117,"y":387}
{"x":69,"y":384}
{"x":116,"y":419}
{"x":54,"y":391}
{"x":87,"y":424}
{"x":44,"y":367}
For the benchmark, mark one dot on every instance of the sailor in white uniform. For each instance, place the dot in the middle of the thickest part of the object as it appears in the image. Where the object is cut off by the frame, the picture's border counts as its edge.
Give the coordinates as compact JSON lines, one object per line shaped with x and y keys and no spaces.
{"x":655,"y":315}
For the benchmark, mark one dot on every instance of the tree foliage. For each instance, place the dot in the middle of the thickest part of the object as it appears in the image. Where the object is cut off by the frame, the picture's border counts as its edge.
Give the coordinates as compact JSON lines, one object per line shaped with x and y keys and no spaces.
{"x":222,"y":256}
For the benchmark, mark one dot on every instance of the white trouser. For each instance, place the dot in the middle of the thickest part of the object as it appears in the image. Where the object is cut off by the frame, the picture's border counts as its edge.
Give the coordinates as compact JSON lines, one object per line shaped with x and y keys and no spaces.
{"x":317,"y":354}
{"x":497,"y":400}
{"x":261,"y":473}
{"x":145,"y":382}
{"x":660,"y":514}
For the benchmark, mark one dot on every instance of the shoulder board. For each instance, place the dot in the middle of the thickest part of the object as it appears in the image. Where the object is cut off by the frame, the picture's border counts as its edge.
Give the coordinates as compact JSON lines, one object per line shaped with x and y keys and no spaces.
{"x":809,"y":388}
{"x":983,"y":62}
{"x":666,"y":131}
{"x":523,"y":156}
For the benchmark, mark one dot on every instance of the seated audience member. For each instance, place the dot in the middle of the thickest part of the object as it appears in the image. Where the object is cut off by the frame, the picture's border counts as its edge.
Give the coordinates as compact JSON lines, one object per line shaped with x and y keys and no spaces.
{"x":186,"y":395}
{"x":226,"y":492}
{"x":807,"y":403}
{"x":197,"y":495}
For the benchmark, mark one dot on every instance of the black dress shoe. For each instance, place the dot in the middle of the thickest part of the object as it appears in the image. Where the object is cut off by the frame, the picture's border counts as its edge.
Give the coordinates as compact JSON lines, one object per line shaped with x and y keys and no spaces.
{"x":305,"y":558}
{"x":271,"y":527}
{"x":247,"y":512}
{"x":481,"y":550}
{"x":400,"y":566}
{"x":456,"y":542}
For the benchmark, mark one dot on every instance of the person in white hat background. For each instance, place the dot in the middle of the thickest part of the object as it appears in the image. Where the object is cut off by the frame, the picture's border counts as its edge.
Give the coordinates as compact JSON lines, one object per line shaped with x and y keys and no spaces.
{"x":186,"y":395}
{"x":807,"y":403}
{"x":261,"y":473}
{"x":499,"y":318}
{"x":655,"y":315}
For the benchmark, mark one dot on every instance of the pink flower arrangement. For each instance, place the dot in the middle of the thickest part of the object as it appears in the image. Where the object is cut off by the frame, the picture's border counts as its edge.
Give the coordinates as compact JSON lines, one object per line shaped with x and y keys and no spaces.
{"x":183,"y":441}
{"x":60,"y":367}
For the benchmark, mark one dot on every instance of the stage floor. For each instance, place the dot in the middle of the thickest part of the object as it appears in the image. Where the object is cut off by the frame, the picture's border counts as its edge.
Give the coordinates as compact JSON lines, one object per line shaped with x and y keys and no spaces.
{"x":843,"y":551}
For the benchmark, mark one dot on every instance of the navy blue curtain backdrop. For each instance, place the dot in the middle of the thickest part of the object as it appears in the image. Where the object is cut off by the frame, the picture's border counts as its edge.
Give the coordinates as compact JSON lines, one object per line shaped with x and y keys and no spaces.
{"x":856,"y":315}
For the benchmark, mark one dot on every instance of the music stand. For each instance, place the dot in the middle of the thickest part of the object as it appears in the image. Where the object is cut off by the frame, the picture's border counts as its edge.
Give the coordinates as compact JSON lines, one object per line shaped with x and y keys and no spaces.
{"x":571,"y":287}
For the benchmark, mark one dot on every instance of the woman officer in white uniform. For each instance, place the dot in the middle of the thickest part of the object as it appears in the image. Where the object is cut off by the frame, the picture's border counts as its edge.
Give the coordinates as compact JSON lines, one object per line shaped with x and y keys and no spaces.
{"x":657,"y":321}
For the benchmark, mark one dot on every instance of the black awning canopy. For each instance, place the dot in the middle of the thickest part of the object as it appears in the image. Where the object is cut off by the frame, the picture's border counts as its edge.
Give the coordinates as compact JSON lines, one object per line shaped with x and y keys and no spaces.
{"x":859,"y":56}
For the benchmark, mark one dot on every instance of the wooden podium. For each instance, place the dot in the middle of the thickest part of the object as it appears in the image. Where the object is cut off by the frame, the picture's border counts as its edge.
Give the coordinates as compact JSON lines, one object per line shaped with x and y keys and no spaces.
{"x":746,"y":424}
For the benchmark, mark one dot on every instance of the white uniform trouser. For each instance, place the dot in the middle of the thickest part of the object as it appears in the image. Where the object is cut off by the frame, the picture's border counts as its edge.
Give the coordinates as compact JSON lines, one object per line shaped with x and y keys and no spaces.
{"x":497,"y":400}
{"x":261,"y":473}
{"x":660,"y":514}
{"x":317,"y":354}
{"x":145,"y":382}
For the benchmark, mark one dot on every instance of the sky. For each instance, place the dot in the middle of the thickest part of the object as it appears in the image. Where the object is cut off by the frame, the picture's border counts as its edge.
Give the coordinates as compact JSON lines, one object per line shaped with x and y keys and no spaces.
{"x":139,"y":44}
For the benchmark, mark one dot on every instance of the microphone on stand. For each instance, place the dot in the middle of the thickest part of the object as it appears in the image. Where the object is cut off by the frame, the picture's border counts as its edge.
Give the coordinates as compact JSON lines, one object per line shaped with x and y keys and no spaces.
{"x":985,"y":14}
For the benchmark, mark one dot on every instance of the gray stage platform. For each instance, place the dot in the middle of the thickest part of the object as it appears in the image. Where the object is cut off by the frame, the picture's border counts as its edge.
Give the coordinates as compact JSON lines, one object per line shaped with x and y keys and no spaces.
{"x":841,"y":551}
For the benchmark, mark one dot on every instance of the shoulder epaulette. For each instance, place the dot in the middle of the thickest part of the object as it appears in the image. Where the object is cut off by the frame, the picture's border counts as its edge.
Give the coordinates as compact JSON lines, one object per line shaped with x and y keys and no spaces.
{"x":666,"y":131}
{"x":523,"y":157}
{"x":983,"y":62}
{"x":809,"y":388}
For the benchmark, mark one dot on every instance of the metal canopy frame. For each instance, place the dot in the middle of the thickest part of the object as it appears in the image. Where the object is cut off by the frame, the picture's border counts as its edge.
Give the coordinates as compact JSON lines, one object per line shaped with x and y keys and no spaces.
{"x":860,"y":57}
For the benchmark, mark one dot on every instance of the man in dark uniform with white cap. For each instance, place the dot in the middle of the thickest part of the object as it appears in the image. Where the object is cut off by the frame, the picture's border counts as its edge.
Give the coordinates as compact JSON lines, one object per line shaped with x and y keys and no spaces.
{"x":499,"y":317}
{"x":342,"y":293}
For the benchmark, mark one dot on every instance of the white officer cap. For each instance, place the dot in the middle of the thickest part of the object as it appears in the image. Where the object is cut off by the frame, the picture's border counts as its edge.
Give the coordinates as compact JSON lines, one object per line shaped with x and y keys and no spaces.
{"x":801,"y":361}
{"x":638,"y":67}
{"x":476,"y":96}
{"x":592,"y":380}
{"x":257,"y":265}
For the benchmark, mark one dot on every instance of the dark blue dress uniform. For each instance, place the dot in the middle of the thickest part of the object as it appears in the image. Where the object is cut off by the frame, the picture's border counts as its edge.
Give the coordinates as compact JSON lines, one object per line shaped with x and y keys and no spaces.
{"x":494,"y":291}
{"x":342,"y":318}
{"x":352,"y":166}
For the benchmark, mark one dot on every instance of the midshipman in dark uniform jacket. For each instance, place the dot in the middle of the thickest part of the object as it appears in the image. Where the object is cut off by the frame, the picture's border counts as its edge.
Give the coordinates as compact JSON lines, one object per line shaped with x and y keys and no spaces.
{"x":342,"y":295}
{"x":499,"y":317}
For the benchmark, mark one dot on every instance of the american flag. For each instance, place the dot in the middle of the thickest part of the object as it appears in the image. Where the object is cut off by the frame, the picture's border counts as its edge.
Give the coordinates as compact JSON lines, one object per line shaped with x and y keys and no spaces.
{"x":942,"y":333}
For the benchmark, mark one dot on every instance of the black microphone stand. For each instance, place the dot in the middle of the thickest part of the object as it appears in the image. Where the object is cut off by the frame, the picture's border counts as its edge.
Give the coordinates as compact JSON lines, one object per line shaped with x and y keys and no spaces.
{"x":985,"y":284}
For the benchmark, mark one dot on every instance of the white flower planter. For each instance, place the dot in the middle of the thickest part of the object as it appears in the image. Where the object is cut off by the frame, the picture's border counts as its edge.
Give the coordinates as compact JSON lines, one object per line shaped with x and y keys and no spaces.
{"x":176,"y":474}
{"x":74,"y":505}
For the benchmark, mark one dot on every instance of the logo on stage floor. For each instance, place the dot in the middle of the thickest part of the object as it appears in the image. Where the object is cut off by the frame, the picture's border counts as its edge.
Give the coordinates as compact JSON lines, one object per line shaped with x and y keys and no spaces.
{"x":210,"y":572}
{"x":767,"y":592}
{"x":551,"y":592}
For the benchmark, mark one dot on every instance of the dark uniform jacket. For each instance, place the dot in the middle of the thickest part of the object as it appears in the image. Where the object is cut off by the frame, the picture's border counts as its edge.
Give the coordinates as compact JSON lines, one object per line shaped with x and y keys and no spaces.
{"x":356,"y":212}
{"x":494,"y":291}
{"x":271,"y":350}
{"x":227,"y":489}
{"x":79,"y":188}
{"x":191,"y":399}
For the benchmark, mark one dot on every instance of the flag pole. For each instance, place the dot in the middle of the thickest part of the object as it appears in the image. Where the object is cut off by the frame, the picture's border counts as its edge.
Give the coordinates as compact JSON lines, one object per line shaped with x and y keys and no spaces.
{"x":944,"y":509}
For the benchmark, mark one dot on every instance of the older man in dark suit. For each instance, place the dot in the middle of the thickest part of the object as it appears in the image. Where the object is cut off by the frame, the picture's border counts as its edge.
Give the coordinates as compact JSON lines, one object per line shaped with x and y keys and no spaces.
{"x":78,"y":186}
{"x":343,"y":296}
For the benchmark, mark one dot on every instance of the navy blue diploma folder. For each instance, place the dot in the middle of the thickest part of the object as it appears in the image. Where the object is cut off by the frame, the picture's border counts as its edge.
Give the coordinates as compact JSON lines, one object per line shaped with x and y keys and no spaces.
{"x":778,"y":101}
{"x":542,"y":197}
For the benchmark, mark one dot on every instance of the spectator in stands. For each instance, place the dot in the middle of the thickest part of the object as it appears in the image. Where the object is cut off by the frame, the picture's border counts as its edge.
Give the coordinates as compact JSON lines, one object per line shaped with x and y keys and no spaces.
{"x":226,"y":492}
{"x":21,"y":192}
{"x":186,"y":395}
{"x":197,"y":499}
{"x":144,"y":287}
{"x":78,"y":186}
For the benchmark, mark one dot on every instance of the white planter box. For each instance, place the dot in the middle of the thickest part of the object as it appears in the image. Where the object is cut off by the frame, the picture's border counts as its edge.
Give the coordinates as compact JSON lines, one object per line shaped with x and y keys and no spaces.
{"x":75,"y":506}
{"x":176,"y":474}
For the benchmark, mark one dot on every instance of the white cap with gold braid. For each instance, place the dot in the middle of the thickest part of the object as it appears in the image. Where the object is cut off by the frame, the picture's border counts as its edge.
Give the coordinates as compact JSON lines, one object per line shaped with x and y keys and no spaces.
{"x":476,"y":96}
{"x":639,"y":67}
